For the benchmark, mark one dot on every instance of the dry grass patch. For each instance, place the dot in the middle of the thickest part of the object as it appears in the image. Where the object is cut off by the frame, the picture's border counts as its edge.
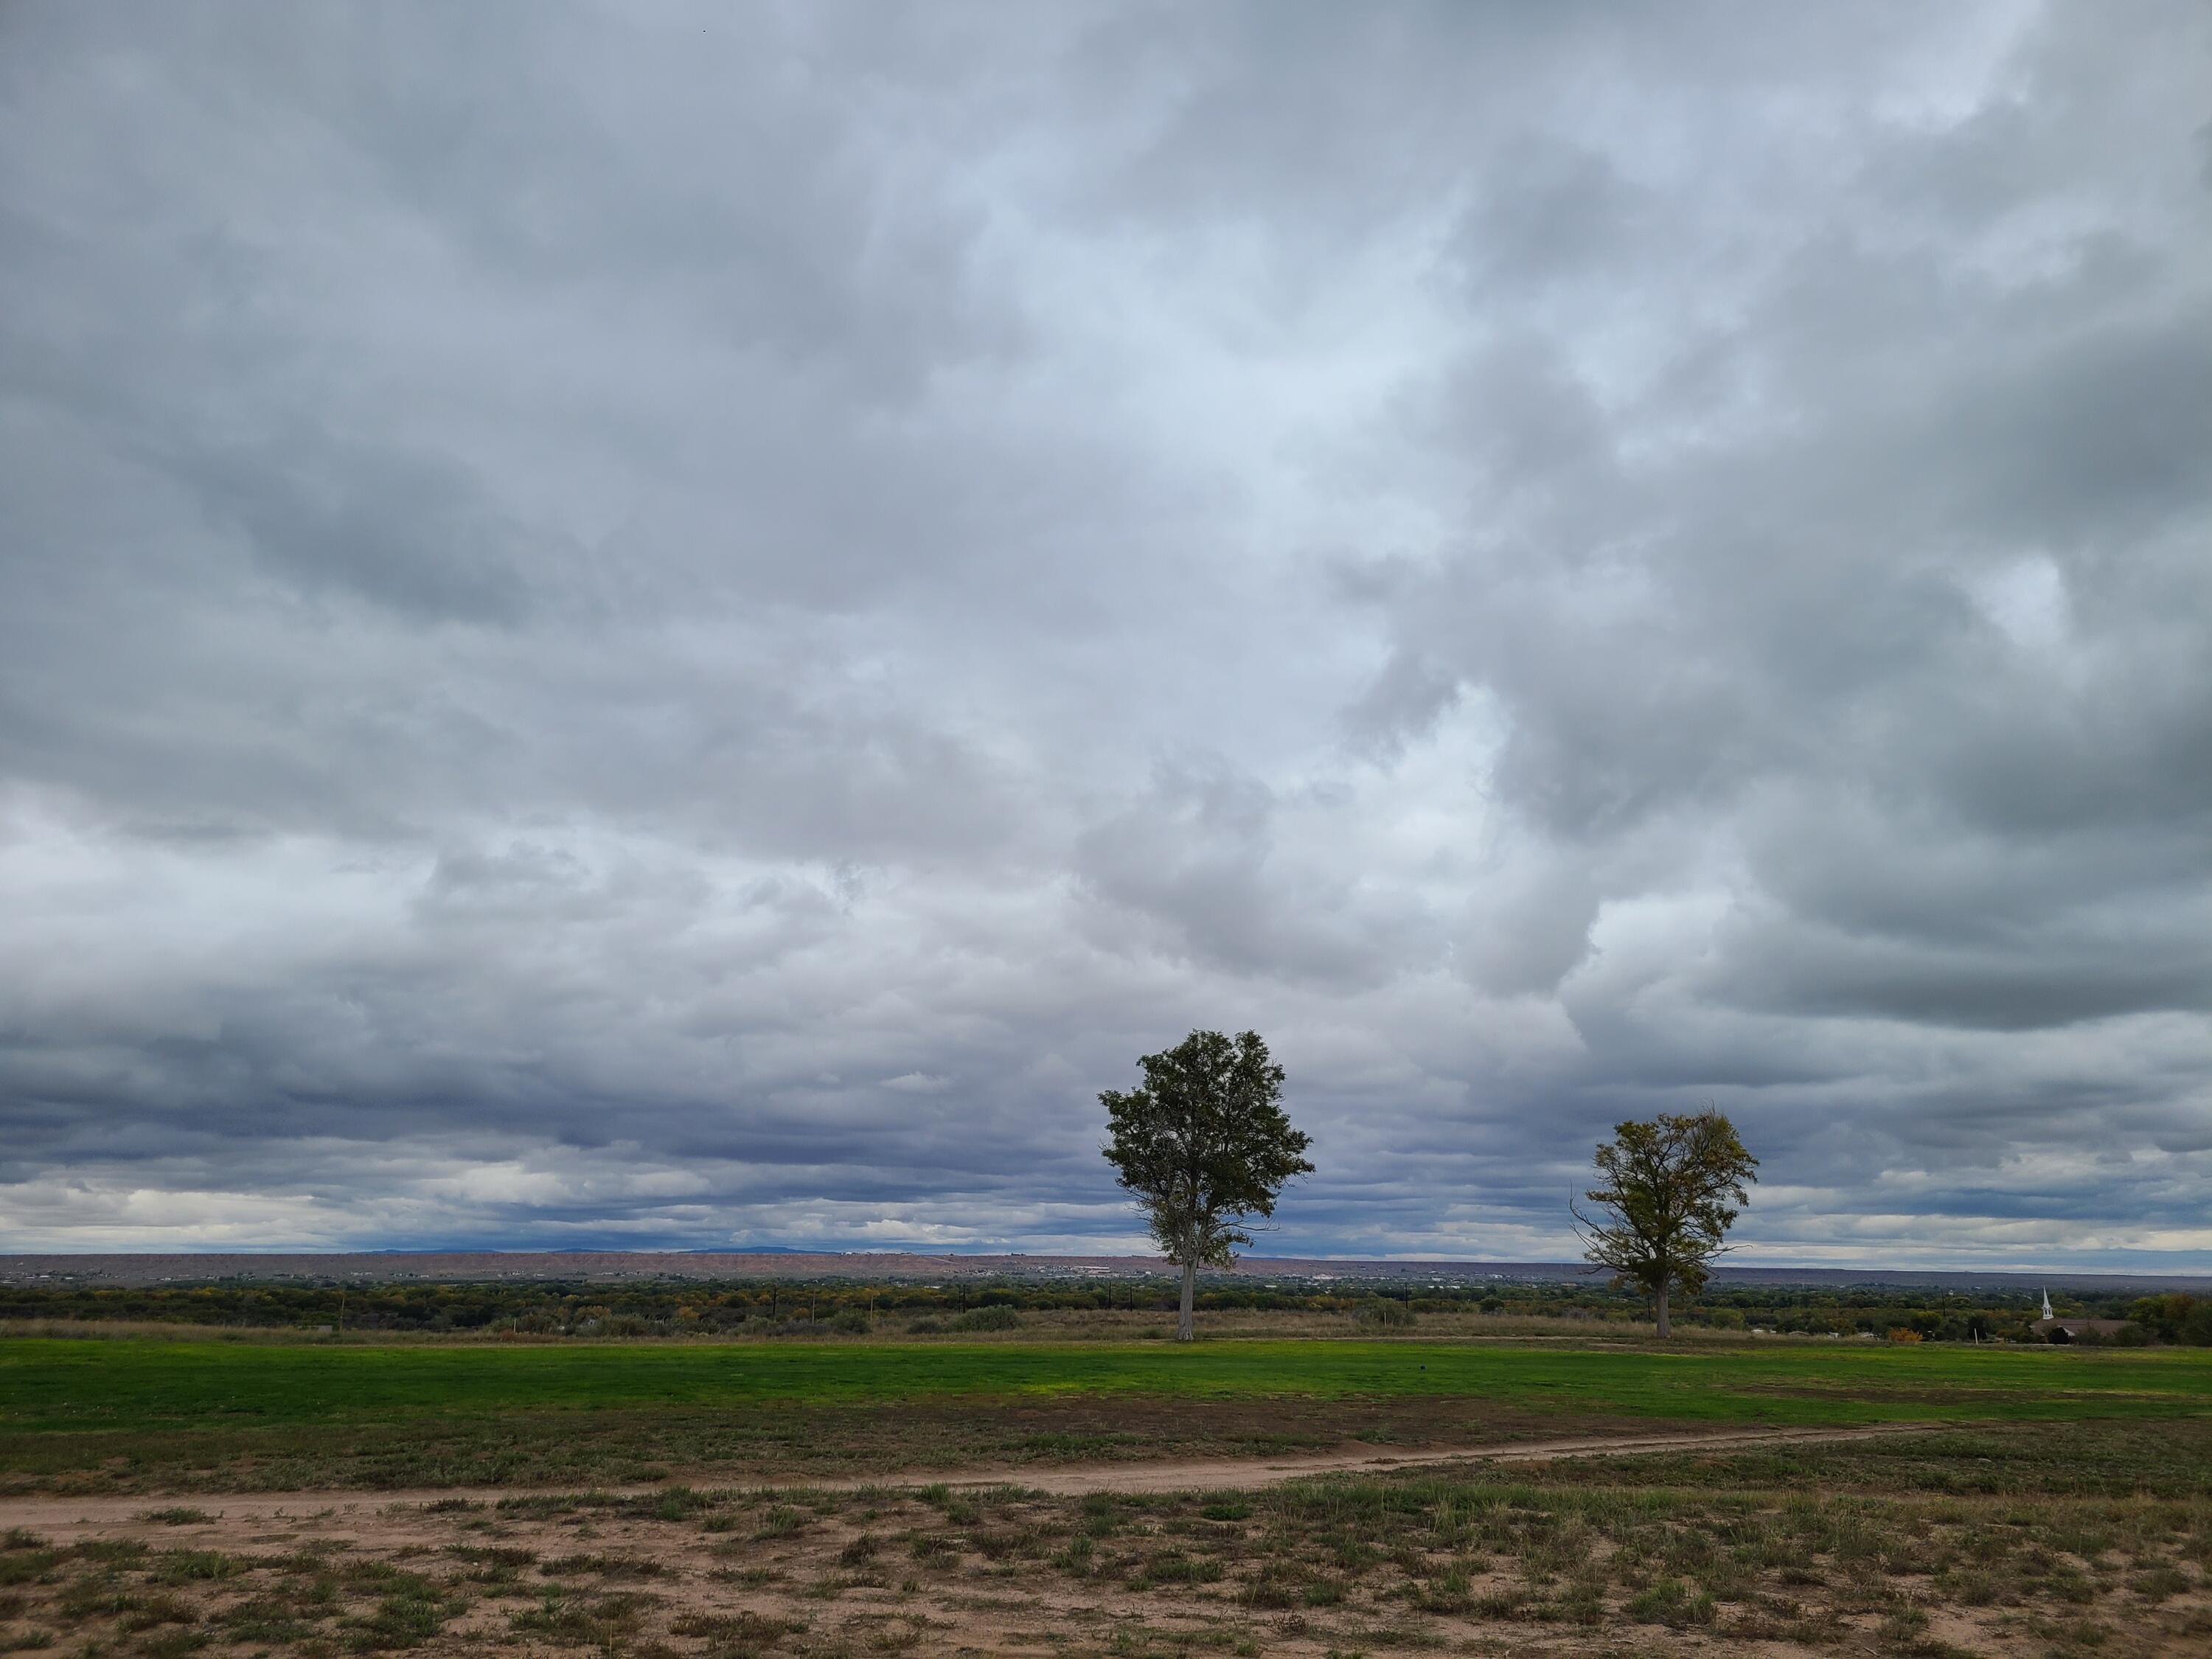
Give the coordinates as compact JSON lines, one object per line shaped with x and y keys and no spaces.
{"x":1898,"y":1550}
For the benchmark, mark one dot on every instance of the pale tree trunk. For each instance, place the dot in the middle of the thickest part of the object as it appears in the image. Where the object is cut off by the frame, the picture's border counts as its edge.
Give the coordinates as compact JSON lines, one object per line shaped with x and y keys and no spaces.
{"x":1665,"y":1329}
{"x":1184,"y":1331}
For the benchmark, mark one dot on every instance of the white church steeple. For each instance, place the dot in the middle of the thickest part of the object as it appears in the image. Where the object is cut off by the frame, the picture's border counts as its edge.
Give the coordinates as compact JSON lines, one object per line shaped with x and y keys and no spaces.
{"x":2047,"y":1314}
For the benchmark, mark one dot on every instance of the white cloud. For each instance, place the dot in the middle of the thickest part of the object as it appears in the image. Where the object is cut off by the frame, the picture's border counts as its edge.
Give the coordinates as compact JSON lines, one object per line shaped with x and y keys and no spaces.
{"x":918,"y":1083}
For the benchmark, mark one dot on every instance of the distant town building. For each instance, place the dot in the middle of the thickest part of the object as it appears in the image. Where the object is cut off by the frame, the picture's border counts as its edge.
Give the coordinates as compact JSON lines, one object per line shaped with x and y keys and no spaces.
{"x":2073,"y":1330}
{"x":2051,"y":1328}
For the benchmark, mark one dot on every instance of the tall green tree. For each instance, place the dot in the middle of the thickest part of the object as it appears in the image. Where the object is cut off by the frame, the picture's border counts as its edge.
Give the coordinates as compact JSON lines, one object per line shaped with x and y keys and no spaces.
{"x":1204,"y":1144}
{"x":1664,"y":1193}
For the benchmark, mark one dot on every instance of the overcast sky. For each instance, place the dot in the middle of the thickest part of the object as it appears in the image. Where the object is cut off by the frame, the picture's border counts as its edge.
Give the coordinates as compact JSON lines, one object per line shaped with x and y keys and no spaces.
{"x":690,"y":625}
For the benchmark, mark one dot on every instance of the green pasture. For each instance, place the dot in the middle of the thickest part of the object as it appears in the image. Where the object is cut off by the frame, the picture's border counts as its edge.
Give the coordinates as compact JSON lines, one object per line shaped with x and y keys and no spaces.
{"x":52,"y":1387}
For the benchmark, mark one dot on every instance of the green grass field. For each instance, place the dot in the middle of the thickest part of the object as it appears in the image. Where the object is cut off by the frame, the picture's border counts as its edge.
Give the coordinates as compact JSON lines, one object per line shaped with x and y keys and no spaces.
{"x":49,"y":1386}
{"x":145,"y":1415}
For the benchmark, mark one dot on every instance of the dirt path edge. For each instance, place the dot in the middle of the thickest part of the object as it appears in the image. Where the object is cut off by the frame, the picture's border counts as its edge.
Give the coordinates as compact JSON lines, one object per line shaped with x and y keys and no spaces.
{"x":1067,"y":1480}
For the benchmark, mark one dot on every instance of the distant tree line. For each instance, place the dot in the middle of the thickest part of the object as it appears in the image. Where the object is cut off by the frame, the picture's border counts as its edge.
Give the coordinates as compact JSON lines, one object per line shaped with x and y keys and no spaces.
{"x":675,"y":1308}
{"x":2175,"y":1317}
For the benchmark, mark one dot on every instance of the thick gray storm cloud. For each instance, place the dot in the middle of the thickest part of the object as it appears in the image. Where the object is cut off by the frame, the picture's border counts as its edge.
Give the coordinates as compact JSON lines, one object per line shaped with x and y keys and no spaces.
{"x":691,"y":624}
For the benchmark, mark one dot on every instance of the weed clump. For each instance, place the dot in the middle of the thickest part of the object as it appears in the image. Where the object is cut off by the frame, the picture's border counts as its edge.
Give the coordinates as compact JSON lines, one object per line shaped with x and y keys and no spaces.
{"x":178,"y":1516}
{"x":986,"y":1319}
{"x":1383,"y":1313}
{"x":1670,"y":1602}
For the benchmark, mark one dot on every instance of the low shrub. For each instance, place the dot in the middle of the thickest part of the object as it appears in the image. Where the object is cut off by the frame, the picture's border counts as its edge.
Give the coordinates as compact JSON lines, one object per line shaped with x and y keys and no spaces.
{"x":987,"y":1319}
{"x":1381,"y":1313}
{"x":1670,"y":1602}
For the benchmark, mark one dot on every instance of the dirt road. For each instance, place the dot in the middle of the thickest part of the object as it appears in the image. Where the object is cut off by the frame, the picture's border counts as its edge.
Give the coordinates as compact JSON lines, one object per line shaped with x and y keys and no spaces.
{"x":63,"y":1516}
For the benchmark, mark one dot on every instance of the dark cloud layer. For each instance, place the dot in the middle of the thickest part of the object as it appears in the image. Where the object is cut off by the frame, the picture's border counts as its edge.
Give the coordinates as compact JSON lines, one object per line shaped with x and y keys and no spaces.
{"x":689,"y":624}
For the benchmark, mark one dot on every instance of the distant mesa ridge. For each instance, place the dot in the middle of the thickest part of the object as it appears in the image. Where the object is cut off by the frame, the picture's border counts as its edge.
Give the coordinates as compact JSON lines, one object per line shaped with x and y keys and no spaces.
{"x":781,"y":1263}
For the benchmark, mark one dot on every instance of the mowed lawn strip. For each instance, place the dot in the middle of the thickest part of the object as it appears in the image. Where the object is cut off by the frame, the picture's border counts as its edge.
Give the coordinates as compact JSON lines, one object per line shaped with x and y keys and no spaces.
{"x":59,"y":1385}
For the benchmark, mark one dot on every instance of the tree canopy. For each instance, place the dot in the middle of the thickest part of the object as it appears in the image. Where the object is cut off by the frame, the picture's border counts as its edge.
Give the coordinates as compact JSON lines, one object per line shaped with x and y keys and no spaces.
{"x":1665,"y":1192}
{"x":1203,"y":1143}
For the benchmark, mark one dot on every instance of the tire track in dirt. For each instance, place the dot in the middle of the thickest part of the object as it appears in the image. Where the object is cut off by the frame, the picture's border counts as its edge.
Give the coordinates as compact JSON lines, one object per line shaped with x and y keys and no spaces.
{"x":51,"y":1513}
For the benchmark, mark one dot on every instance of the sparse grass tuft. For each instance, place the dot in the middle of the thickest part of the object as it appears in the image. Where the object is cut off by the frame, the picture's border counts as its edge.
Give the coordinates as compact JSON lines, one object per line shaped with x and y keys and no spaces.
{"x":178,"y":1516}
